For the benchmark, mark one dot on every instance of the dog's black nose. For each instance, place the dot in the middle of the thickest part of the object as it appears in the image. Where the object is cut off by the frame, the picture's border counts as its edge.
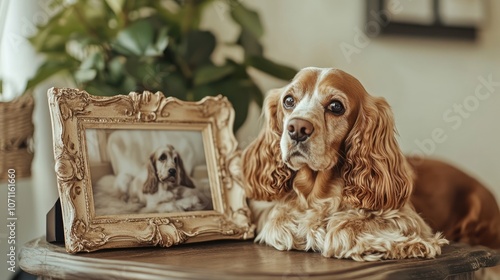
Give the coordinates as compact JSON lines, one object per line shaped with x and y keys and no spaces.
{"x":172,"y":171}
{"x":299,"y":129}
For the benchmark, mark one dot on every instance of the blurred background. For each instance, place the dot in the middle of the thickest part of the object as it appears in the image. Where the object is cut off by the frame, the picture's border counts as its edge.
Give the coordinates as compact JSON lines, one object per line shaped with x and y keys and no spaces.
{"x":436,"y":62}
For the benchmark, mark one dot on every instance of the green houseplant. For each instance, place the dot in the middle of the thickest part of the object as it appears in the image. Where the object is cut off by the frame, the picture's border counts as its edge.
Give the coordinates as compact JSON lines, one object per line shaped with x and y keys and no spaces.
{"x":115,"y":46}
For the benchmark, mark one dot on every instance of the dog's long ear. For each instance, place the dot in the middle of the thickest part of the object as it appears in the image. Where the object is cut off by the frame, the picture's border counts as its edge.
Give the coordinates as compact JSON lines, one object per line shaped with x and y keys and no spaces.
{"x":151,"y":183}
{"x":266,"y":175}
{"x":185,"y":180}
{"x":376,"y":174}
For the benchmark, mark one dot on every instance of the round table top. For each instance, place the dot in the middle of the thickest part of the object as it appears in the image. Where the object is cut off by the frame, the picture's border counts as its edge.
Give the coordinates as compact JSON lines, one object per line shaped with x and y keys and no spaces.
{"x":240,"y":260}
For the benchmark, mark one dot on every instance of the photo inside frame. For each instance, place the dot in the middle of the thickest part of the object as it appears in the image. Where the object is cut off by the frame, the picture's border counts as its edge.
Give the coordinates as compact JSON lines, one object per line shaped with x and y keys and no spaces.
{"x":136,"y":171}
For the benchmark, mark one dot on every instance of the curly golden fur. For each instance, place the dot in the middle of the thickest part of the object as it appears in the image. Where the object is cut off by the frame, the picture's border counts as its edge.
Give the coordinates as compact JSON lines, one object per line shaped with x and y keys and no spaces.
{"x":328,"y":159}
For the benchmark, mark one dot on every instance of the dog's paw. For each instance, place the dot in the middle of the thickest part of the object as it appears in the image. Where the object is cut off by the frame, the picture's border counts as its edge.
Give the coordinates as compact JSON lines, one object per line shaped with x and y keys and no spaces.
{"x":428,"y":248}
{"x":375,"y":248}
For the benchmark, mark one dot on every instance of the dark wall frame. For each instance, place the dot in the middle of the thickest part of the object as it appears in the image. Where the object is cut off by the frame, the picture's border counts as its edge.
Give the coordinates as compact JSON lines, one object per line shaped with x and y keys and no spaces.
{"x":375,"y":12}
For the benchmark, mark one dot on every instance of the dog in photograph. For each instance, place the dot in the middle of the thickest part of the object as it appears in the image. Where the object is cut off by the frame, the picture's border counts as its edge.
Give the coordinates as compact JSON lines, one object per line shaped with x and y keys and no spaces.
{"x":163,"y":185}
{"x":328,"y":159}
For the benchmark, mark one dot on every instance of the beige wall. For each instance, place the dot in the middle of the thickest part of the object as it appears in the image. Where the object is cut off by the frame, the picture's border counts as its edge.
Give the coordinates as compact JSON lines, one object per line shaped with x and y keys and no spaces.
{"x":421,"y":78}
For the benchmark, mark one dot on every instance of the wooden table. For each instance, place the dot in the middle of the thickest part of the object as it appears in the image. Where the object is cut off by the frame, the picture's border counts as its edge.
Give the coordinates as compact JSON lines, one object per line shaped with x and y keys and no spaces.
{"x":242,"y":260}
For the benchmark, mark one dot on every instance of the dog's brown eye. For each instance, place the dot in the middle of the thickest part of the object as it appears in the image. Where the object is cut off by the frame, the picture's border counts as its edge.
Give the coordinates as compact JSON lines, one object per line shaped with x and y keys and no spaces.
{"x":289,"y":102}
{"x":163,"y":157}
{"x":336,"y":108}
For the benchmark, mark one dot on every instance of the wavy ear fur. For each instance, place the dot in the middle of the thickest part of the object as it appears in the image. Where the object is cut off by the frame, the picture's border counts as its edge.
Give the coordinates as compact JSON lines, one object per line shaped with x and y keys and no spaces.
{"x":184,"y":177}
{"x":151,"y":184}
{"x":266,"y":175}
{"x":376,"y":174}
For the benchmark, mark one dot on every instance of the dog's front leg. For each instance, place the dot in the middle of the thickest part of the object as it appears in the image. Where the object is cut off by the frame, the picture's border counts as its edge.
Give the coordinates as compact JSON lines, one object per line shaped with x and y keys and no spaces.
{"x":280,"y":229}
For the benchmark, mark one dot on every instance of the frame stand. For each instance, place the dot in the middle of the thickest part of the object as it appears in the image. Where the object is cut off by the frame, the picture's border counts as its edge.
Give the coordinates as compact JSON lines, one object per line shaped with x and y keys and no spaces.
{"x":54,"y":224}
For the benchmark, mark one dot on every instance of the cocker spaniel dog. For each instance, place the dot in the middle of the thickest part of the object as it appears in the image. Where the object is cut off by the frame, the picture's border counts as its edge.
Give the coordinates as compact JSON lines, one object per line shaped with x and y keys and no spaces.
{"x":162,"y":185}
{"x":329,"y":160}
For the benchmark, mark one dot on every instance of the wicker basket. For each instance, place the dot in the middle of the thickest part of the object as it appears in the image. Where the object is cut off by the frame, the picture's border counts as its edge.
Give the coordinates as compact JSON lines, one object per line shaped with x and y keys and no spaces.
{"x":16,"y":136}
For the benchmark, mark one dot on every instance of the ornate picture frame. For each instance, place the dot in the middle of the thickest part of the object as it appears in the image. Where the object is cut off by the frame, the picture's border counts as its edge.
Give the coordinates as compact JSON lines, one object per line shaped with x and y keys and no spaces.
{"x":93,"y":134}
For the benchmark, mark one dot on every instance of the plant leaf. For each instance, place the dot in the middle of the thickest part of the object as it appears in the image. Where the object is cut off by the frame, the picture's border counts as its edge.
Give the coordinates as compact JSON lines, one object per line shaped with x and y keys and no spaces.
{"x":197,"y":47}
{"x":116,"y":6}
{"x":99,"y":88}
{"x":160,"y":45}
{"x":211,"y":73}
{"x":85,"y":75}
{"x":49,"y":68}
{"x":174,"y":85}
{"x":135,"y":39}
{"x":168,"y":18}
{"x":272,"y":68}
{"x":250,"y":44}
{"x":129,"y":84}
{"x":248,"y":19}
{"x":93,"y":61}
{"x":162,"y":40}
{"x":238,"y":92}
{"x":147,"y":76}
{"x":149,"y":72}
{"x":54,"y":31}
{"x":116,"y":69}
{"x":240,"y":73}
{"x":256,"y":94}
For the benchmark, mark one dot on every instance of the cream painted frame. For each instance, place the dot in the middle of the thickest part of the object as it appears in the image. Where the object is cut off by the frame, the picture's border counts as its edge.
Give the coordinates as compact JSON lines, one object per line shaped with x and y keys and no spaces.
{"x":73,"y":111}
